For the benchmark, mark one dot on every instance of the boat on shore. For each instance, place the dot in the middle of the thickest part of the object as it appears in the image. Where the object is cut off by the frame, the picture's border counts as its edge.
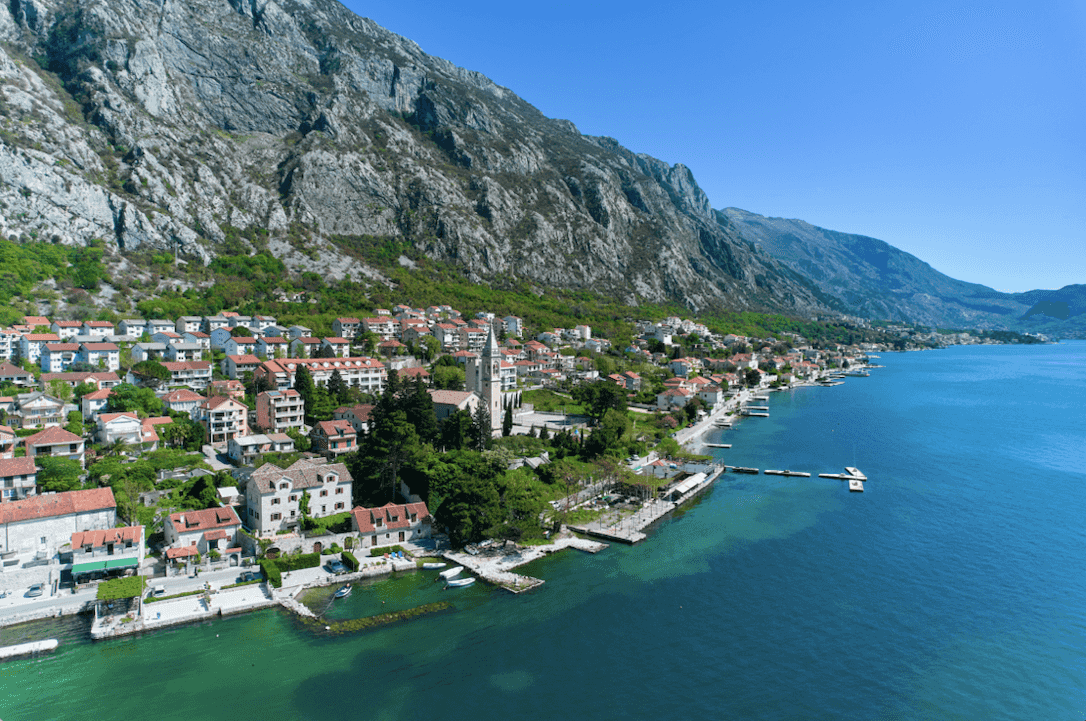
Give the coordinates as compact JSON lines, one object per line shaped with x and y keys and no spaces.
{"x":434,"y":564}
{"x":343,"y":592}
{"x":460,"y":582}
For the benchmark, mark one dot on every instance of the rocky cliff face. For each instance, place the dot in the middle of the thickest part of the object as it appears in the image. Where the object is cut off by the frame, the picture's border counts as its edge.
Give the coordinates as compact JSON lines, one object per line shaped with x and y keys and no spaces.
{"x":158,"y":123}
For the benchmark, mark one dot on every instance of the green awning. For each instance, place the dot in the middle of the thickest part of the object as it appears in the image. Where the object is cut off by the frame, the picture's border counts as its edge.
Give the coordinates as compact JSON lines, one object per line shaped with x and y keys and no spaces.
{"x":122,"y":562}
{"x":104,"y":564}
{"x":88,"y":567}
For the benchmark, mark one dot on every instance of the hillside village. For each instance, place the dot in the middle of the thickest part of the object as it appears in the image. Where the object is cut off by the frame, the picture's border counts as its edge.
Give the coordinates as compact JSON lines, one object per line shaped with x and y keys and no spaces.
{"x":252,"y":428}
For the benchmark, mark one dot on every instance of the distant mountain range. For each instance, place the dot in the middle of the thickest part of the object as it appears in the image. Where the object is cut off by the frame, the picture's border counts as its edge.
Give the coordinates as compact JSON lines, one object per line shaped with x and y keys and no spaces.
{"x":876,"y":280}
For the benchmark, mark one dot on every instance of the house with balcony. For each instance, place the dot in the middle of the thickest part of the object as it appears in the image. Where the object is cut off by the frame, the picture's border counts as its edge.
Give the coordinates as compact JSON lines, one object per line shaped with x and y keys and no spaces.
{"x":279,"y":411}
{"x":18,"y":478}
{"x":37,"y":409}
{"x":66,"y":329}
{"x":125,"y":426}
{"x":106,"y":356}
{"x":198,"y":337}
{"x":184,"y":352}
{"x":367,"y":374}
{"x":182,"y":400}
{"x":358,"y":416}
{"x":32,"y":345}
{"x":239,"y":345}
{"x":188,"y":324}
{"x":340,"y":347}
{"x":213,"y":529}
{"x":272,"y":346}
{"x":58,"y":357}
{"x":236,"y":366}
{"x":148,"y":351}
{"x":134,"y":328}
{"x":98,"y":328}
{"x":223,"y":418}
{"x":334,"y":438}
{"x":55,"y":442}
{"x":346,"y":327}
{"x":231,"y":388}
{"x":305,"y":347}
{"x":391,"y":524}
{"x":213,"y":323}
{"x":273,"y":494}
{"x":383,"y":326}
{"x":194,"y":374}
{"x":8,"y":441}
{"x":15,"y":376}
{"x":92,"y":404}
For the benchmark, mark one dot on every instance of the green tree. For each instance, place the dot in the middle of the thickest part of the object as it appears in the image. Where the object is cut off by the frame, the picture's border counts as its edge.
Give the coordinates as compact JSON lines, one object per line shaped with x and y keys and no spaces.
{"x":75,"y":423}
{"x":58,"y":474}
{"x":455,"y":430}
{"x":507,"y":422}
{"x":127,"y":397}
{"x":83,"y":389}
{"x":599,"y":397}
{"x":418,"y":404}
{"x":151,"y":372}
{"x":303,"y":383}
{"x":449,"y":378}
{"x":480,"y":432}
{"x":60,"y":389}
{"x":607,"y":436}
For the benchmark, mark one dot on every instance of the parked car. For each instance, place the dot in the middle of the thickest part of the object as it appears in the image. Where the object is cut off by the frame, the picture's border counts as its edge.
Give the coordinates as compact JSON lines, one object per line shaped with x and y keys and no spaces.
{"x":336,"y":567}
{"x":247,"y":576}
{"x":36,"y":590}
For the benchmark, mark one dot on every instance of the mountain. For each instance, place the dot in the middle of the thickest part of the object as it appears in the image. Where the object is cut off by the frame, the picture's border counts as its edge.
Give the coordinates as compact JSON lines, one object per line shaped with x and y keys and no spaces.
{"x":875,"y":279}
{"x":166,"y":125}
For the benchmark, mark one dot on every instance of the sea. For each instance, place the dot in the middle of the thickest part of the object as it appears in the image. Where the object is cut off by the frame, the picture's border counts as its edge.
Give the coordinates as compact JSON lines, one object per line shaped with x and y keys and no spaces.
{"x":953,"y":587}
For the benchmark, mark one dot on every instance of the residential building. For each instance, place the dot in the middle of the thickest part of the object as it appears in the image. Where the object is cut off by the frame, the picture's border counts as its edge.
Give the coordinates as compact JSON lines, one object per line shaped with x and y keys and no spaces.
{"x":188,"y":324}
{"x":213,"y":529}
{"x":514,"y":326}
{"x":448,"y":402}
{"x":358,"y":416}
{"x":184,"y":352}
{"x":346,"y":327}
{"x":194,"y":374}
{"x":472,"y":339}
{"x":18,"y":478}
{"x":223,"y":418}
{"x":98,"y":328}
{"x":230,"y":388}
{"x":213,"y":323}
{"x":106,"y":356}
{"x":98,"y":379}
{"x":58,"y":357}
{"x":299,"y":331}
{"x":279,"y":411}
{"x":125,"y":426}
{"x":148,"y":351}
{"x":260,"y":323}
{"x":383,"y":326}
{"x":134,"y":328}
{"x":14,"y":375}
{"x":273,"y":494}
{"x":9,"y":342}
{"x":38,"y":526}
{"x":38,"y":409}
{"x":236,"y":366}
{"x":92,"y":403}
{"x":272,"y":346}
{"x":198,"y":337}
{"x":334,"y":438}
{"x":56,"y":442}
{"x":102,"y":552}
{"x":366,"y":374}
{"x":32,"y":345}
{"x":182,"y":400}
{"x":8,"y":441}
{"x":340,"y":347}
{"x":305,"y":347}
{"x":66,"y":329}
{"x":243,"y":450}
{"x":391,"y":524}
{"x":239,"y":346}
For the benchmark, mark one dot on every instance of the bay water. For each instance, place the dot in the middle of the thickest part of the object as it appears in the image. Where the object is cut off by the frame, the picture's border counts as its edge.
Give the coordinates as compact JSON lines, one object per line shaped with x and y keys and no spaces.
{"x":954,"y":587}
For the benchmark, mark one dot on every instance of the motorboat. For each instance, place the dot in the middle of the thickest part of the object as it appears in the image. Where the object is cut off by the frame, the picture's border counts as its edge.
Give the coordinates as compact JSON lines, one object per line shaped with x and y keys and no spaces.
{"x":458,"y":582}
{"x":344,"y":591}
{"x":433,"y":564}
{"x":450,"y":573}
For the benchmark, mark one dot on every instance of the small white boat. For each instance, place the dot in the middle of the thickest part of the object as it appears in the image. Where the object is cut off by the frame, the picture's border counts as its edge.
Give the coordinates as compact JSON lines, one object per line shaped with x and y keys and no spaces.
{"x":458,"y":582}
{"x":432,"y":565}
{"x":344,"y":591}
{"x":455,"y":571}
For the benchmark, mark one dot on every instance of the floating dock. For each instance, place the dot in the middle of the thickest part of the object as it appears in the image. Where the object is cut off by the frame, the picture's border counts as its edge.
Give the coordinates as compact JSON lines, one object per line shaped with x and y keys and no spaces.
{"x":718,"y":445}
{"x":855,"y":473}
{"x":855,"y":485}
{"x":790,"y":474}
{"x":836,"y":476}
{"x":28,"y":649}
{"x":755,"y":414}
{"x":741,"y":469}
{"x":758,"y":408}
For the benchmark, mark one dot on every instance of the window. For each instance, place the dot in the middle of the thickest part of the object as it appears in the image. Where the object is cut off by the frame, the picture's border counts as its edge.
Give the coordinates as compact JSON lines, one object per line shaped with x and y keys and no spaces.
{"x":339,"y":505}
{"x":292,"y":514}
{"x":339,"y":491}
{"x":293,"y":498}
{"x":324,"y":492}
{"x":276,"y":516}
{"x":275,"y":501}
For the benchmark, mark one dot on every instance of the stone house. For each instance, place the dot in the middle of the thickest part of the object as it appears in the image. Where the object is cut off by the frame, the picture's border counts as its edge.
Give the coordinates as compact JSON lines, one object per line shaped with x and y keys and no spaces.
{"x":391,"y":524}
{"x":273,"y":494}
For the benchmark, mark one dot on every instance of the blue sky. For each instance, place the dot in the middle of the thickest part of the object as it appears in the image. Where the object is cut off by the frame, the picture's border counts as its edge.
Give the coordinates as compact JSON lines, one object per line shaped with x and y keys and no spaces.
{"x":953,"y":130}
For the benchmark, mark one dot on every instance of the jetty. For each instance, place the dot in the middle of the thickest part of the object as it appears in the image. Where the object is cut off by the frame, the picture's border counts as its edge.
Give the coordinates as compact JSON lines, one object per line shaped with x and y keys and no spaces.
{"x":758,"y":408}
{"x":741,"y":469}
{"x":28,"y":649}
{"x":718,"y":445}
{"x":756,"y":414}
{"x":496,"y":566}
{"x":790,"y":474}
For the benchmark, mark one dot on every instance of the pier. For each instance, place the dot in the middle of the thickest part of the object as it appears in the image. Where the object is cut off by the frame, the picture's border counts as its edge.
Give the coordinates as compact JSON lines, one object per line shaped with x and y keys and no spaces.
{"x":497,"y":566}
{"x":741,"y":469}
{"x":790,"y":474}
{"x":28,"y":649}
{"x":855,"y":473}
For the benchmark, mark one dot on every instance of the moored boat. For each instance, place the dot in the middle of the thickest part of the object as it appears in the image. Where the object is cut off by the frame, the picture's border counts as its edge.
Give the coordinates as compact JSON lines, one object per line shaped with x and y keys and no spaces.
{"x":433,"y":564}
{"x":450,"y":573}
{"x":344,"y":591}
{"x":459,"y":582}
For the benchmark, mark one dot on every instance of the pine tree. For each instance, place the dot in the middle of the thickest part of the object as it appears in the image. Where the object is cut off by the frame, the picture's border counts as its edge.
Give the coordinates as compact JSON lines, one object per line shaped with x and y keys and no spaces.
{"x":507,"y":422}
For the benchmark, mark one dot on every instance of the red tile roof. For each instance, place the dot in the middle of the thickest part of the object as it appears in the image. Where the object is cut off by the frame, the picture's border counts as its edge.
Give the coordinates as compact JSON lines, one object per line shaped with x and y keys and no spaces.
{"x":392,"y":516}
{"x":99,"y":538}
{"x":208,"y":519}
{"x":57,"y":504}
{"x":17,"y":467}
{"x":215,"y":535}
{"x":55,"y":434}
{"x":182,"y":552}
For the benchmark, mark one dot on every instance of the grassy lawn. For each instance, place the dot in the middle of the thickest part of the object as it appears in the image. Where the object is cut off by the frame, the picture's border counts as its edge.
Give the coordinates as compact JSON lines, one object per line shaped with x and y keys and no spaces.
{"x":551,"y":402}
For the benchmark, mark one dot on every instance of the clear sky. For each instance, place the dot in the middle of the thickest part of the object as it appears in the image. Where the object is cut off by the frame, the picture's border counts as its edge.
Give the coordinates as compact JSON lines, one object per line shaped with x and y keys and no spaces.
{"x":954,"y":130}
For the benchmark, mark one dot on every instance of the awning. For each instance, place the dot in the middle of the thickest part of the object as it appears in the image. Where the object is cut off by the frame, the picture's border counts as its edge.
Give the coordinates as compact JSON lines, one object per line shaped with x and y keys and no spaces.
{"x":104,"y":564}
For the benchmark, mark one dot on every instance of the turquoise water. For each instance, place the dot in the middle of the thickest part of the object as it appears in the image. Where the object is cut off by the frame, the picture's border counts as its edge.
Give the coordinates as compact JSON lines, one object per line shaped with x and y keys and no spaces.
{"x":953,"y":588}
